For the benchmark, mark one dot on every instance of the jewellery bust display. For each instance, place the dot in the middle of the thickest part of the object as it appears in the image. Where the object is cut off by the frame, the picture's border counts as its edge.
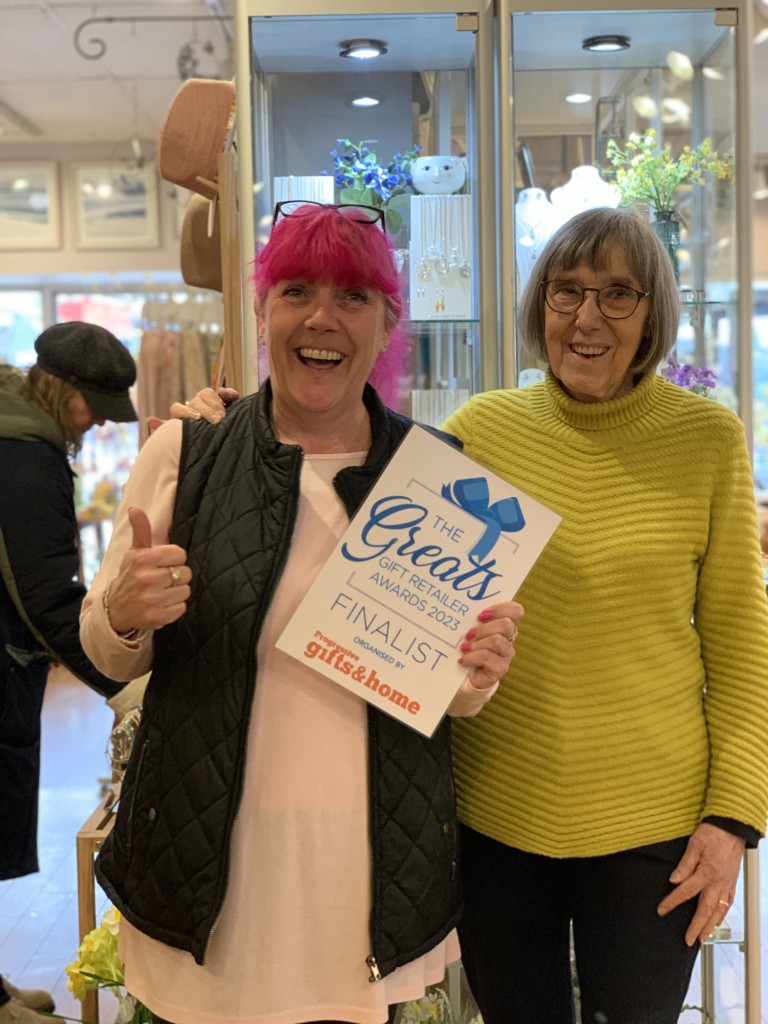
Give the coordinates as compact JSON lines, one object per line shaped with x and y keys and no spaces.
{"x":535,"y":220}
{"x":585,"y":190}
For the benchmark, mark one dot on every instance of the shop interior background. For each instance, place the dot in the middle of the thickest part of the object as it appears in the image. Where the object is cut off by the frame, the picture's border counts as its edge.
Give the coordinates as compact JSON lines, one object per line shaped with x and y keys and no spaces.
{"x":89,"y":84}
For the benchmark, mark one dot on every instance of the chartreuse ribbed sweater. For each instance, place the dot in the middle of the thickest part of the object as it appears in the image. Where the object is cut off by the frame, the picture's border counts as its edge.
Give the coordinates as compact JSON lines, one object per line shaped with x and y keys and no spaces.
{"x":637,"y":703}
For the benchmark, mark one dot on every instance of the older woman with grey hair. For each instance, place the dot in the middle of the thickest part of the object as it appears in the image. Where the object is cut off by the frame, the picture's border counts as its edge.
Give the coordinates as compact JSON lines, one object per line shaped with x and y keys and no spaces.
{"x":609,"y":789}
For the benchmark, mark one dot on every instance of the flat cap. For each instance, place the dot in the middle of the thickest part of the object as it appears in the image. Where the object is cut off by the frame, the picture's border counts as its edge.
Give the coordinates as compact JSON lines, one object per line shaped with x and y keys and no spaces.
{"x":93,"y":360}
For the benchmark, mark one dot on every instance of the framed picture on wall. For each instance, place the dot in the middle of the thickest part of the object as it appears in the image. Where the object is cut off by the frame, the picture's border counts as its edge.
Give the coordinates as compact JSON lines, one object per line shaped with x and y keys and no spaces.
{"x":116,"y":205}
{"x":29,"y":205}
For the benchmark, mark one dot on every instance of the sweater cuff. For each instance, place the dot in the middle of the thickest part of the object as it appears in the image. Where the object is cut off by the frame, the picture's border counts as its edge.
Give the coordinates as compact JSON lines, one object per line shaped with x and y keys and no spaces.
{"x":131,"y":696}
{"x":134,"y":638}
{"x":737,"y":828}
{"x":469,"y":699}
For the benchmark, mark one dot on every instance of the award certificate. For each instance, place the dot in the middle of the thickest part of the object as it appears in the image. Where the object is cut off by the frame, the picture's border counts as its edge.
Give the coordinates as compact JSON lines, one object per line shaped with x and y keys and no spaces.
{"x":436,"y":540}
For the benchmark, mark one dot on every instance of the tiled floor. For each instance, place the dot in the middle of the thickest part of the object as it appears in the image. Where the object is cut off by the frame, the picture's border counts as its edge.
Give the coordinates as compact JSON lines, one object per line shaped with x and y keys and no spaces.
{"x":38,"y":914}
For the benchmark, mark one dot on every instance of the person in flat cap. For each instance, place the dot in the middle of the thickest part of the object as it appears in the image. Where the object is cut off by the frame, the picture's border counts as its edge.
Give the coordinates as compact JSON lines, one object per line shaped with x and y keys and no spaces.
{"x":81,"y":378}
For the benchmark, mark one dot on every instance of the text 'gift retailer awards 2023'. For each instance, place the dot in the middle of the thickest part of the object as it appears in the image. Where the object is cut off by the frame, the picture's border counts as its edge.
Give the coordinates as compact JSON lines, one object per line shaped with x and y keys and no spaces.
{"x":436,"y":540}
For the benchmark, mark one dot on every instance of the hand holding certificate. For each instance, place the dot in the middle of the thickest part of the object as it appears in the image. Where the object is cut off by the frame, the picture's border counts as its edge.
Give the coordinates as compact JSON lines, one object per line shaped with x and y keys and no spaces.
{"x":437,"y":541}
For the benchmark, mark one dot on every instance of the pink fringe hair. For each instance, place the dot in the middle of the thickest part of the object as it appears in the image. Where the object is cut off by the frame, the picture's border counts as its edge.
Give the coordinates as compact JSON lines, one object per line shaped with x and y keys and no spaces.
{"x":319,"y":244}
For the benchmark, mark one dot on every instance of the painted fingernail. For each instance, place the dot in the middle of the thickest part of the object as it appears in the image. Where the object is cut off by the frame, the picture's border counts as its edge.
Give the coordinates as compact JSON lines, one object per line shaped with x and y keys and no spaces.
{"x":465,"y":647}
{"x":470,"y":634}
{"x":485,"y":615}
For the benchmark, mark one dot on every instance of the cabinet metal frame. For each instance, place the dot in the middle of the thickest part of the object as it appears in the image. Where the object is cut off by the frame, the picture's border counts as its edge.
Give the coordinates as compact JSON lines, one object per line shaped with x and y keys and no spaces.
{"x":743,"y":159}
{"x":485,"y":147}
{"x":749,"y":946}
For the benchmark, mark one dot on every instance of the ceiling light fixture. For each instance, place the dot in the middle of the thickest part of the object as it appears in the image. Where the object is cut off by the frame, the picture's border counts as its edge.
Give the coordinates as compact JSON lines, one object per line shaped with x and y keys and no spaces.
{"x":362,"y":49}
{"x":578,"y":97}
{"x":365,"y":101}
{"x":605,"y":44}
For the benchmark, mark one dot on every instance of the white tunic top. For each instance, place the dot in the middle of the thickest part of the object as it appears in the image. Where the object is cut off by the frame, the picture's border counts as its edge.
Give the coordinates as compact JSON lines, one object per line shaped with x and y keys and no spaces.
{"x":292,"y":938}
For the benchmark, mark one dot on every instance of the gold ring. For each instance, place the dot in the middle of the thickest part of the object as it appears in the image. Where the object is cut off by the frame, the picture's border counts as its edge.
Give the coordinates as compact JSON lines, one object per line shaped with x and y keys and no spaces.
{"x":724,"y":903}
{"x":514,"y":636}
{"x":175,"y":572}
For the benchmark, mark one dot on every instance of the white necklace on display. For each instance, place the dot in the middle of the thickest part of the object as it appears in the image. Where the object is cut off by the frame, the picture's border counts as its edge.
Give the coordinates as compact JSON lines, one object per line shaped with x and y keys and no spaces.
{"x":465,"y":268}
{"x":531,"y":215}
{"x":454,"y":235}
{"x":444,"y":236}
{"x":442,"y":241}
{"x":424,"y":267}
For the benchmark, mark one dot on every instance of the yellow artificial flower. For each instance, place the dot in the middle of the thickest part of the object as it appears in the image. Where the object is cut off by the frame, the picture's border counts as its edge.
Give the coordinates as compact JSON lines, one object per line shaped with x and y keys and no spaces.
{"x":650,"y":175}
{"x":97,"y":955}
{"x":97,"y":965}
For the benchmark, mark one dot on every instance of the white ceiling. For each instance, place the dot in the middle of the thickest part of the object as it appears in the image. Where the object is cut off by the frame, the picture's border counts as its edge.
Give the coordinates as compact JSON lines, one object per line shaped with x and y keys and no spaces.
{"x":65,"y":97}
{"x":121,"y":83}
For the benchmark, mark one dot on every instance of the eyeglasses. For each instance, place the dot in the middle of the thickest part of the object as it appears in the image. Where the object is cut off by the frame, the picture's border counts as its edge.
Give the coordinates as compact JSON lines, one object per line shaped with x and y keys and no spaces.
{"x":616,"y":301}
{"x":352,"y":211}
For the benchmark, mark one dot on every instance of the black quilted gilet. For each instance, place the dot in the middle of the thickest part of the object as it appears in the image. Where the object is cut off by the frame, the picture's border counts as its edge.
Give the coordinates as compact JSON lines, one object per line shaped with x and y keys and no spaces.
{"x":165,"y":864}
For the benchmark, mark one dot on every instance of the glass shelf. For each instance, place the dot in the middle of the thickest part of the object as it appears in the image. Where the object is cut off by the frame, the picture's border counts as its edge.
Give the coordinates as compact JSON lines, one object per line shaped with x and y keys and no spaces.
{"x":563,"y":148}
{"x":438,"y":322}
{"x":429,"y":89}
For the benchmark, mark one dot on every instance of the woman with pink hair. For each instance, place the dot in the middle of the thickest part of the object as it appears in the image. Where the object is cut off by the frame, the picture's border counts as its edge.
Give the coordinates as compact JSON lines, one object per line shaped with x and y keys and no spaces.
{"x":280,"y":844}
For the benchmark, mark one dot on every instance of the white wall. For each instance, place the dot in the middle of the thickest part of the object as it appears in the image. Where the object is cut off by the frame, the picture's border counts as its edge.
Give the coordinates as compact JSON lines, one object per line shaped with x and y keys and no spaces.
{"x":71,"y":261}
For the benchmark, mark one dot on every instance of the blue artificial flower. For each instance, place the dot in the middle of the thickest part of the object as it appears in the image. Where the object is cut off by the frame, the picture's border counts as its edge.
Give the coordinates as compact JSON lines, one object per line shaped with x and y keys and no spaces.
{"x":356,"y":167}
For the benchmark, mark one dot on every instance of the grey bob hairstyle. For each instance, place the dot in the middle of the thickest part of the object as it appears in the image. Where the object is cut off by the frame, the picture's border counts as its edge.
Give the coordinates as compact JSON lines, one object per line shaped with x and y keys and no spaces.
{"x":587,"y":240}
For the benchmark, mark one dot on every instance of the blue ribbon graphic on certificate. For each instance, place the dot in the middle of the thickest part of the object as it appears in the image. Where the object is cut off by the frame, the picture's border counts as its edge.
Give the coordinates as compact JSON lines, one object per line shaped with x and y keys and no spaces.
{"x":503,"y":516}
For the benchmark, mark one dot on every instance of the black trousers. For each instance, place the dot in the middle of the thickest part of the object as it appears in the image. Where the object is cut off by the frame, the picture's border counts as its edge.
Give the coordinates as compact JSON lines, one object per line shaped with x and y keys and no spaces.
{"x":633,"y":966}
{"x":21,"y":700}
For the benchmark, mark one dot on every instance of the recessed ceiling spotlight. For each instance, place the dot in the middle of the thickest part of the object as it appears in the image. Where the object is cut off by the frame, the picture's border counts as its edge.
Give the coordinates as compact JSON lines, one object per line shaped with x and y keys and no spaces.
{"x":578,"y":97}
{"x":605,"y":44}
{"x":365,"y":101}
{"x":362,"y":49}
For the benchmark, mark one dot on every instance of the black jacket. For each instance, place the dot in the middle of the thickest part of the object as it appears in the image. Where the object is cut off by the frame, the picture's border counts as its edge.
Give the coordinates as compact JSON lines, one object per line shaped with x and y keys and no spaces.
{"x":165,"y":864}
{"x":40,"y":600}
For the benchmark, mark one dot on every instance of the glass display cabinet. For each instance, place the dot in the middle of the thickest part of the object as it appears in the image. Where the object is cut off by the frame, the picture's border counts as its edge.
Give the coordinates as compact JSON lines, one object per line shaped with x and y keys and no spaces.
{"x":516,"y":111}
{"x":315,"y":105}
{"x":575,"y":82}
{"x":729,"y":964}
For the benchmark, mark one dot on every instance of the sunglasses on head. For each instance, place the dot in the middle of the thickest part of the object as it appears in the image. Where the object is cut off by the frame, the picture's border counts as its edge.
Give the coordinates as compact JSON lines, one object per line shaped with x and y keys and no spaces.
{"x":352,"y":211}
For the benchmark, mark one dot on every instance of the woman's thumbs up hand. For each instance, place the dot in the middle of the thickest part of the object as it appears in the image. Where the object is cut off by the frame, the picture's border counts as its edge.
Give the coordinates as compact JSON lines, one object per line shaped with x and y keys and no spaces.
{"x":153,"y":585}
